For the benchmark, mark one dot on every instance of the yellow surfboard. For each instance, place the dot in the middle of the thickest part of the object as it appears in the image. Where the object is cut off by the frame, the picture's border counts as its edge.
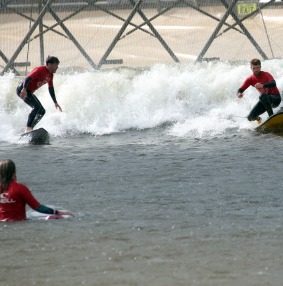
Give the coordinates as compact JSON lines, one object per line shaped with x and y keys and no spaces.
{"x":273,"y":124}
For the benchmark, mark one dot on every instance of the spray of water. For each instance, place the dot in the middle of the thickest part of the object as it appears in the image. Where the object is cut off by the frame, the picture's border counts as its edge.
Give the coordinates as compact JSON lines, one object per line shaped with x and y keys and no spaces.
{"x":190,"y":99}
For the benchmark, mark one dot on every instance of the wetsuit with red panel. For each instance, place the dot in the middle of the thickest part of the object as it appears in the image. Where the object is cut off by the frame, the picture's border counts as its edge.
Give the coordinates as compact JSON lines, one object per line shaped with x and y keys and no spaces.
{"x":13,"y":203}
{"x":269,"y":95}
{"x":37,"y":78}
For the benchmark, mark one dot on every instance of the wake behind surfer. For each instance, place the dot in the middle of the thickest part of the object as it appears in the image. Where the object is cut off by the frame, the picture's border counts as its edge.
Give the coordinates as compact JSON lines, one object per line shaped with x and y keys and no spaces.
{"x":265,"y":84}
{"x":35,"y":79}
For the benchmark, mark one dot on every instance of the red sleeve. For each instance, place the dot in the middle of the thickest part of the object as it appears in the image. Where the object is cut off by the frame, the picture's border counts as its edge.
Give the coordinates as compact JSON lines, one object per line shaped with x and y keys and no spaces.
{"x":246,"y":84}
{"x":28,"y":197}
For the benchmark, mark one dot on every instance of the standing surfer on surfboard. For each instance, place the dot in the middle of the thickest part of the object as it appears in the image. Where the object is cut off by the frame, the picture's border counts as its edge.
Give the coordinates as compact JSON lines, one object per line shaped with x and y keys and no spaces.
{"x":265,"y":84}
{"x":14,"y":196}
{"x":38,"y":77}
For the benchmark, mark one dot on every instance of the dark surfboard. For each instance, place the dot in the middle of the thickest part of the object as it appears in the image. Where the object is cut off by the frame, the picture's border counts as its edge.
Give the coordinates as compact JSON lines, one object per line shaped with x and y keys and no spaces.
{"x":37,"y":136}
{"x":273,"y":124}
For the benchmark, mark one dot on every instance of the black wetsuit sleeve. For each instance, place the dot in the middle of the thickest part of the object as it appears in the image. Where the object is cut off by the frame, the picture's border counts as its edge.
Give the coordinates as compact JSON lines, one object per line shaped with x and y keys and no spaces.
{"x":270,"y":84}
{"x":26,"y":82}
{"x":46,"y":210}
{"x":240,"y":90}
{"x":52,"y":93}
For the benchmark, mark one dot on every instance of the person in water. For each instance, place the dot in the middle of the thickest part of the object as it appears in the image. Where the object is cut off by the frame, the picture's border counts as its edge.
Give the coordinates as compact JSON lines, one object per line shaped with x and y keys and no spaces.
{"x":265,"y":84}
{"x":15,"y":196}
{"x":36,"y":78}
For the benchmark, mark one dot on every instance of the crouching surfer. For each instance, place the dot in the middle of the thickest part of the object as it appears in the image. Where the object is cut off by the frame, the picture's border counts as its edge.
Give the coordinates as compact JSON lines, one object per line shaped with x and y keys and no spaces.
{"x":265,"y":84}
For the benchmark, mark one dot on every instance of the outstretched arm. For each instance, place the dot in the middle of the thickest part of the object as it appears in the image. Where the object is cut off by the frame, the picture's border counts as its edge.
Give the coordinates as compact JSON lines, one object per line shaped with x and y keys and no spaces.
{"x":52,"y":94}
{"x":46,"y":210}
{"x":34,"y":204}
{"x":244,"y":86}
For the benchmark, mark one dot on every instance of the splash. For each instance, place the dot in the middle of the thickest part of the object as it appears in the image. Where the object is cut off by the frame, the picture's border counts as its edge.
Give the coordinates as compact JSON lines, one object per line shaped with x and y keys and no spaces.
{"x":195,"y":99}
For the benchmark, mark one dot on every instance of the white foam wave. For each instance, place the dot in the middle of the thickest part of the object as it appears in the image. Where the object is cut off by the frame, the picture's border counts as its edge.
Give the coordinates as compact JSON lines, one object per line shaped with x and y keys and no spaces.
{"x":196,"y":99}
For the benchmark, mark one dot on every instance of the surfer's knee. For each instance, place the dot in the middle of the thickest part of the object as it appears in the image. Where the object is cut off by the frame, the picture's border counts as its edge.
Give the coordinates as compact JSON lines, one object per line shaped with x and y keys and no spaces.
{"x":41,"y":111}
{"x":264,"y":98}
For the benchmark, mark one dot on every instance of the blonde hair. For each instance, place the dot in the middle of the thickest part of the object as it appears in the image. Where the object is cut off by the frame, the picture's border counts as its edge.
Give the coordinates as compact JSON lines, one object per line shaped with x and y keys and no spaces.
{"x":7,"y":171}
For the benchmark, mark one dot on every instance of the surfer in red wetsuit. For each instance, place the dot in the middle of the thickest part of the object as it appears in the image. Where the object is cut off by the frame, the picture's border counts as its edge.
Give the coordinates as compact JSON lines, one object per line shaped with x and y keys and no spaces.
{"x":38,"y":77}
{"x":265,"y":84}
{"x":15,"y":196}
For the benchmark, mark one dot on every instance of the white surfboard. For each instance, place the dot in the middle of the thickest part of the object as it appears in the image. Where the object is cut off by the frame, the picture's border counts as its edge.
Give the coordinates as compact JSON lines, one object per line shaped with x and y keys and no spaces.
{"x":34,"y":215}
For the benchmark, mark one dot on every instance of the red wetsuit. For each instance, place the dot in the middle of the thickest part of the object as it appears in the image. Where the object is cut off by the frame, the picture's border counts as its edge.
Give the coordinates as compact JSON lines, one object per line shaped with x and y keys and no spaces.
{"x":13,"y":202}
{"x":39,"y":76}
{"x":269,"y":95}
{"x":263,"y":77}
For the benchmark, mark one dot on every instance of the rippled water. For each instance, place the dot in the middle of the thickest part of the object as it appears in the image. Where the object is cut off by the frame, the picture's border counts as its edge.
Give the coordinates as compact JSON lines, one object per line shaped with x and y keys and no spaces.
{"x":170,"y":184}
{"x":151,"y":209}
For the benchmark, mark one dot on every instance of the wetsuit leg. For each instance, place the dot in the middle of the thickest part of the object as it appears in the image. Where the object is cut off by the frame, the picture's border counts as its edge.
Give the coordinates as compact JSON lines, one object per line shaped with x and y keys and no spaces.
{"x":256,"y":111}
{"x":270,"y":101}
{"x":38,"y":110}
{"x":264,"y":98}
{"x":275,"y":100}
{"x":266,"y":103}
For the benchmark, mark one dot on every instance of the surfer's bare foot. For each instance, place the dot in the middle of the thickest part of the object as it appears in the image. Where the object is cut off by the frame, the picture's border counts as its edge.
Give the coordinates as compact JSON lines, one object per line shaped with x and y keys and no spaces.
{"x":259,"y":120}
{"x":28,"y":129}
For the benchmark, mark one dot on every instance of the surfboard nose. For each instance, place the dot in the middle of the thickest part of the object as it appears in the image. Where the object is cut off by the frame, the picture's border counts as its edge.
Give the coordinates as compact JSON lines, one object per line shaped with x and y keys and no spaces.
{"x":38,"y":137}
